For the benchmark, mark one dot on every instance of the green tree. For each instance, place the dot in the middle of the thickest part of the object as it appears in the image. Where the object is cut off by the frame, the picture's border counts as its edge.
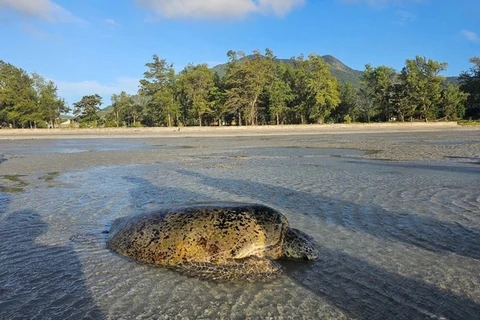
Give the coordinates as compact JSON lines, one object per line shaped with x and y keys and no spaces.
{"x":453,"y":102}
{"x":235,"y":97}
{"x":324,"y":92}
{"x":245,"y":81}
{"x":366,"y":106}
{"x":317,"y":92}
{"x":18,"y":99}
{"x":195,"y":85}
{"x":121,"y":104}
{"x":347,"y":108}
{"x":137,"y":109}
{"x":423,"y":85}
{"x":403,"y":106}
{"x":50,"y":105}
{"x":160,"y":84}
{"x":280,"y":94}
{"x":217,"y":100}
{"x":377,"y":84}
{"x":470,"y":83}
{"x":86,"y":110}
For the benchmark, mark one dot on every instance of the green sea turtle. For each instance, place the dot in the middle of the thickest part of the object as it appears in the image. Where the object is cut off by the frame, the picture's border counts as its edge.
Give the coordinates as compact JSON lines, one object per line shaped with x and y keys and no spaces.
{"x":217,"y":241}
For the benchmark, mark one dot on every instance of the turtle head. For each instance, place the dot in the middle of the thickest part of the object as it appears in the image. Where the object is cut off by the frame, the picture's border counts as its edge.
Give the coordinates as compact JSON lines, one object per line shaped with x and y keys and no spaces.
{"x":298,"y":245}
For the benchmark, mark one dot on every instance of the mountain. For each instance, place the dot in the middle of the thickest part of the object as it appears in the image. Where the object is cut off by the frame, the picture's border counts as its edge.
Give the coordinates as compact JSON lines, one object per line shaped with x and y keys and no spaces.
{"x":454,"y":80}
{"x":342,"y":72}
{"x":338,"y":69}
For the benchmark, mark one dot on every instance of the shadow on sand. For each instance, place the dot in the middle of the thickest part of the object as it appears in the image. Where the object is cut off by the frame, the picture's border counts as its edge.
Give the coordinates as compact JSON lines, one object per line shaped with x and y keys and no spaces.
{"x":472,"y":170}
{"x":39,"y":281}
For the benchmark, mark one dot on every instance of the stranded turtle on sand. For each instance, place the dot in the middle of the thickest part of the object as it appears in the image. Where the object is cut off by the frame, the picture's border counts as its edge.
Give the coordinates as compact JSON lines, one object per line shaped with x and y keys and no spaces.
{"x":217,"y":241}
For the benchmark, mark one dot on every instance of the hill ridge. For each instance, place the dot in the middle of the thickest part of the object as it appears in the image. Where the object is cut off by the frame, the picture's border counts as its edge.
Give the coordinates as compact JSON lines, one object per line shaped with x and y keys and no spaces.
{"x":339,"y":70}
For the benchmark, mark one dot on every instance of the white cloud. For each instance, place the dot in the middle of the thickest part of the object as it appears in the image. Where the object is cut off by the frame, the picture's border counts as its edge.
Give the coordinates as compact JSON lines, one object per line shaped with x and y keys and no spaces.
{"x":218,"y":9}
{"x":470,"y":36}
{"x":41,"y":9}
{"x":112,"y":23}
{"x":74,"y":91}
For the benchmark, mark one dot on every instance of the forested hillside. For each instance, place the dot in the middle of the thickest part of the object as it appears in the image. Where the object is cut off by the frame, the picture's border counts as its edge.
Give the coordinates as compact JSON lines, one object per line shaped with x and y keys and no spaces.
{"x":338,"y":69}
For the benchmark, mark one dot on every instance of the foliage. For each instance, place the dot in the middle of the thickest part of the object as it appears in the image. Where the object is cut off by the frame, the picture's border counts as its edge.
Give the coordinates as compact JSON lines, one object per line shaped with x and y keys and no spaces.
{"x":423,"y":85}
{"x":470,"y":83}
{"x":453,"y":102}
{"x":256,"y":89}
{"x":50,"y":105}
{"x":323,"y":89}
{"x":245,"y":81}
{"x":28,"y":101}
{"x":159,"y":84}
{"x":280,"y":94}
{"x":316,"y":90}
{"x":121,"y":106}
{"x":86,"y":110}
{"x":378,"y":85}
{"x":195,"y":87}
{"x":403,"y":106}
{"x":17,"y":97}
{"x":339,"y":70}
{"x":348,"y":108}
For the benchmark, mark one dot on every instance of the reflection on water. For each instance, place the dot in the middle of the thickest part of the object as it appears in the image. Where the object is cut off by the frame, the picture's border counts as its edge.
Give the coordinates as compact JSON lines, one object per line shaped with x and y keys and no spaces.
{"x":397,"y":240}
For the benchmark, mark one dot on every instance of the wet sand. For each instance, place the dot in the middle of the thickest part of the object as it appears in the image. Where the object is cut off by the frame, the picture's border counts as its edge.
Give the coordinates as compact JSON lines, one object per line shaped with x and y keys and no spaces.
{"x":394,"y":210}
{"x":59,"y":150}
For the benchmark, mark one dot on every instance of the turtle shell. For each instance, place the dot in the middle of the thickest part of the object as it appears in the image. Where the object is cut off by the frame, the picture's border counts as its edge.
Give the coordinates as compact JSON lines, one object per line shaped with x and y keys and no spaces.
{"x":206,"y":233}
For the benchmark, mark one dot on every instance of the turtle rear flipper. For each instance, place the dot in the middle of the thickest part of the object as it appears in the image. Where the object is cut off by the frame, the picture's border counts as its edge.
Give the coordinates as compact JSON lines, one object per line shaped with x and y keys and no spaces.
{"x":251,"y":269}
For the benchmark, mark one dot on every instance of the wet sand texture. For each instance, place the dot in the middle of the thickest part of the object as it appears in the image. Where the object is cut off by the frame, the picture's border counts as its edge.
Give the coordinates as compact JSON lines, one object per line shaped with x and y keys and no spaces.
{"x":395,"y":213}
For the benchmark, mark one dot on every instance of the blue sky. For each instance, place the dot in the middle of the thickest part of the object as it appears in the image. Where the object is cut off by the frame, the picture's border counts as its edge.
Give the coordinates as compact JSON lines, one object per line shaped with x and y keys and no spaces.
{"x":101,"y":46}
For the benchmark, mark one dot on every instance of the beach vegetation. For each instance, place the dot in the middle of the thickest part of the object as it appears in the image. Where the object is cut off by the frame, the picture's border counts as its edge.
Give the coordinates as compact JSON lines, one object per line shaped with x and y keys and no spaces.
{"x":252,"y":89}
{"x":470,"y":83}
{"x":86,"y":111}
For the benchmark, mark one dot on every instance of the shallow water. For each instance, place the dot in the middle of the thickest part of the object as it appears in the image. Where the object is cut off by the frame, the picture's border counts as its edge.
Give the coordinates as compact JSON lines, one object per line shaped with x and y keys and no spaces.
{"x":397,"y":239}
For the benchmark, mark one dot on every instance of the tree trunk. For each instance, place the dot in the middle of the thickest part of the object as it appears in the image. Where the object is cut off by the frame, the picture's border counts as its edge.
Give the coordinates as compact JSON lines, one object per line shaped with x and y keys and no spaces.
{"x":252,"y":112}
{"x":278,"y":120}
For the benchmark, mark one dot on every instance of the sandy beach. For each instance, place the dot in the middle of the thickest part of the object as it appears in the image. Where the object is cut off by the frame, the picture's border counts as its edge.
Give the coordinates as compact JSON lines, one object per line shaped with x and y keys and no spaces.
{"x":8,"y":134}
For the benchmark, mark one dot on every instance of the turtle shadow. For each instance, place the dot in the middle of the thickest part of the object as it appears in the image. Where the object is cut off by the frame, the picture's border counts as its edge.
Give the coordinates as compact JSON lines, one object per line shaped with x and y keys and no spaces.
{"x":366,"y":291}
{"x":360,"y":288}
{"x":40,"y":281}
{"x":420,"y":166}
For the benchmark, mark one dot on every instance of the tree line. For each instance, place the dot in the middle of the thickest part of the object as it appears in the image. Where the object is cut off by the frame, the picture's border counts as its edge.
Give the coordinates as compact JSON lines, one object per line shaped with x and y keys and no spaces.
{"x":256,"y":89}
{"x":28,"y":100}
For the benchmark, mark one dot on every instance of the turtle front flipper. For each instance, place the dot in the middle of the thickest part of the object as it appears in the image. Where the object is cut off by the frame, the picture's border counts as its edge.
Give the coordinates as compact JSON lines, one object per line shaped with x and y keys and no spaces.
{"x":251,"y":269}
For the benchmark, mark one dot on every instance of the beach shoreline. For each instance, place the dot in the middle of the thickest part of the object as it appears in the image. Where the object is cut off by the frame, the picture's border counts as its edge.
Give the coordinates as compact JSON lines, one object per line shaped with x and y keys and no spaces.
{"x":225,"y":131}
